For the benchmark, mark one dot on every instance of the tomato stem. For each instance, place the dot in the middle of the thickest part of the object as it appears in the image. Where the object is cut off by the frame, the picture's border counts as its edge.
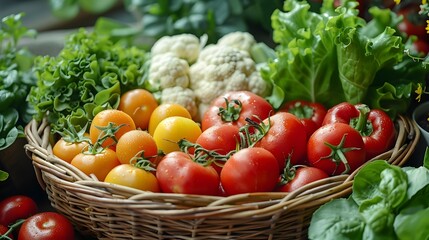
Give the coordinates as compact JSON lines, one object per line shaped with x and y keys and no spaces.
{"x":232,"y":110}
{"x":11,"y":228}
{"x":203,"y":156}
{"x":361,"y":123}
{"x":337,"y":154}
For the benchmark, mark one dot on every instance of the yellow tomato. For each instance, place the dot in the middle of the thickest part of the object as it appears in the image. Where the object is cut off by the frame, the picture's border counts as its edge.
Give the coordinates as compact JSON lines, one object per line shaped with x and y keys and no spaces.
{"x":136,"y":143}
{"x":131,"y":176}
{"x":68,"y":150}
{"x":164,"y":111}
{"x":98,"y":164}
{"x":113,"y":117}
{"x":139,"y":104}
{"x":172,"y":129}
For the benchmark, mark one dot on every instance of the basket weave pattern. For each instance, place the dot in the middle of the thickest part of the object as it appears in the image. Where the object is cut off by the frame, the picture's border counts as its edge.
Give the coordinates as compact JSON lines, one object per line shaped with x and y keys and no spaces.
{"x":108,"y":211}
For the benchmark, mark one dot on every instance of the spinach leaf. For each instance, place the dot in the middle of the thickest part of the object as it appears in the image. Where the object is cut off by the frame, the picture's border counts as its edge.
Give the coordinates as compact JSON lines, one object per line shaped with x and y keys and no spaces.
{"x":337,"y":219}
{"x":412,"y":222}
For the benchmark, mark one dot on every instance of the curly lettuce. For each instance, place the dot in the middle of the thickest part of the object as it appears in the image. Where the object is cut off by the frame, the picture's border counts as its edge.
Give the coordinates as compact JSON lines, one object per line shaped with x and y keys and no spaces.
{"x":88,"y":75}
{"x":333,"y":56}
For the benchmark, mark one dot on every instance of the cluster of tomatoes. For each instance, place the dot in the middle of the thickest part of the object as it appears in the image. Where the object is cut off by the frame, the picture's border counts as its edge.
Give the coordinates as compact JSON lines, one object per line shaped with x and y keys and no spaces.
{"x":241,"y":144}
{"x":21,"y":219}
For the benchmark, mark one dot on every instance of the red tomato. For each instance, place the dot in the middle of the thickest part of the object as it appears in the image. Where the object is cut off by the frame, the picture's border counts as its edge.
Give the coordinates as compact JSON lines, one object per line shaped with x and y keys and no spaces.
{"x":420,"y":46}
{"x":311,"y":114}
{"x":286,"y":137}
{"x":16,"y":207}
{"x":46,"y":226}
{"x":252,"y":106}
{"x":301,"y":177}
{"x":336,"y":148}
{"x":4,"y":230}
{"x":250,"y":170}
{"x":178,"y":173}
{"x":220,"y":138}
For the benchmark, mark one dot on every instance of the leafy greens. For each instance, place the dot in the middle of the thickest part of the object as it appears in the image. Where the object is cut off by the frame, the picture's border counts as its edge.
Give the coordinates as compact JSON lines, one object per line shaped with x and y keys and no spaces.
{"x":88,"y":75}
{"x":16,"y":79}
{"x":334,"y":55}
{"x":388,"y":202}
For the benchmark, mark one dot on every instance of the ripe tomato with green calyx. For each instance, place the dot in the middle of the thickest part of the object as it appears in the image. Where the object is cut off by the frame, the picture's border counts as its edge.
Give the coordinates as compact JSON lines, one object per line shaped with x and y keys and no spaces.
{"x":250,"y":170}
{"x":336,"y":148}
{"x":234,"y":108}
{"x":46,"y":226}
{"x":179,"y":172}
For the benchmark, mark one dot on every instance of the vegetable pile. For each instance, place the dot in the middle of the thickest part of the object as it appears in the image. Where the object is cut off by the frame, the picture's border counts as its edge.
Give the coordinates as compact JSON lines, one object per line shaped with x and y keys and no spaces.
{"x":388,"y":202}
{"x":334,"y":55}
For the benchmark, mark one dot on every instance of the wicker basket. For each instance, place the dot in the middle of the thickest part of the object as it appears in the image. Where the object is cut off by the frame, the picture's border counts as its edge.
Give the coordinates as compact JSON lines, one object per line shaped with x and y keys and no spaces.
{"x":108,"y":211}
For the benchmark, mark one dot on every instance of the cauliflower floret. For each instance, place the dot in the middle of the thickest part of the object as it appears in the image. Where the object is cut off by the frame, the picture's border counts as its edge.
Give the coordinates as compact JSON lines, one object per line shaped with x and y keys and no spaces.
{"x":185,"y":46}
{"x":220,"y":69}
{"x":167,"y":70}
{"x":241,"y":40}
{"x":182,"y":96}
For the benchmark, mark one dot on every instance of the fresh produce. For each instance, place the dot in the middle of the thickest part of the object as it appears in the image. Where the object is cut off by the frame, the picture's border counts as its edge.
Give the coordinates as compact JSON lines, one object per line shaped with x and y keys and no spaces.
{"x":71,"y":143}
{"x":20,"y":218}
{"x":88,"y":76}
{"x":295,"y":177}
{"x":387,"y":202}
{"x":311,"y":114}
{"x":334,"y":56}
{"x":376,"y":127}
{"x":172,"y":129}
{"x":234,"y":108}
{"x":336,"y":148}
{"x":133,"y":176}
{"x":46,"y":226}
{"x":179,"y":172}
{"x":109,"y":125}
{"x":134,"y":145}
{"x":164,"y":111}
{"x":250,"y":170}
{"x":16,"y":207}
{"x":284,"y":136}
{"x":139,"y":104}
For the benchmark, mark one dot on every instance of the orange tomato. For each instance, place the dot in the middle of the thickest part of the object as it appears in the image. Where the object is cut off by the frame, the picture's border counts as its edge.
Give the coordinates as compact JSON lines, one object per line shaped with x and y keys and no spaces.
{"x":164,"y":111}
{"x":68,"y":150}
{"x":116,"y":118}
{"x":139,"y":104}
{"x":131,"y":176}
{"x":172,"y":129}
{"x":98,"y":164}
{"x":136,"y":143}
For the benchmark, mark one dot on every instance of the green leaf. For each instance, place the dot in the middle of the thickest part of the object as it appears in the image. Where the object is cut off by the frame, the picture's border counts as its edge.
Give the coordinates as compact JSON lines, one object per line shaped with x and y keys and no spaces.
{"x":412,"y":222}
{"x":3,"y":175}
{"x":337,"y":219}
{"x":97,"y":6}
{"x":418,"y":178}
{"x":426,"y":158}
{"x":379,"y":179}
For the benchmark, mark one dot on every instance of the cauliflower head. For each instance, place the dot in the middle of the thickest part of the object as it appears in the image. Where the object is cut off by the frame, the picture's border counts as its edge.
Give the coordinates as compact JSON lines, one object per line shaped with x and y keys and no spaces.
{"x":220,"y":69}
{"x":185,"y":46}
{"x":182,"y":96}
{"x":167,"y":70}
{"x":240,"y":40}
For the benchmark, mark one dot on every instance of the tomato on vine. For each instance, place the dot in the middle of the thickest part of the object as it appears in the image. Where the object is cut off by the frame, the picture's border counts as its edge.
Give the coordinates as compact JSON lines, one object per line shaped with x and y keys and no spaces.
{"x":109,"y":125}
{"x":71,"y":143}
{"x":134,"y":144}
{"x":132,"y":176}
{"x":98,"y":161}
{"x":234,"y":108}
{"x":16,"y":207}
{"x":172,"y":129}
{"x":179,"y":172}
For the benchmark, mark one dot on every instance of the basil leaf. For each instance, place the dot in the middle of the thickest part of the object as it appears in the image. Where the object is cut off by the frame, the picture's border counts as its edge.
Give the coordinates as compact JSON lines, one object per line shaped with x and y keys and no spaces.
{"x":337,"y":219}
